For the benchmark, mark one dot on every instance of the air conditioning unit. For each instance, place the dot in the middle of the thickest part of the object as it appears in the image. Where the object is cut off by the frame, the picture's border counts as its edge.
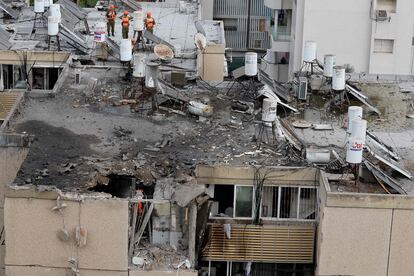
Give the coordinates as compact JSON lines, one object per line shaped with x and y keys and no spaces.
{"x":302,"y":88}
{"x":382,"y":15}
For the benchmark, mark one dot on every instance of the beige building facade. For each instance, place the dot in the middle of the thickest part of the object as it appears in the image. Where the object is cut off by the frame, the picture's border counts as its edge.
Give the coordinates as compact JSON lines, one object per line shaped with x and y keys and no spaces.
{"x":364,"y":234}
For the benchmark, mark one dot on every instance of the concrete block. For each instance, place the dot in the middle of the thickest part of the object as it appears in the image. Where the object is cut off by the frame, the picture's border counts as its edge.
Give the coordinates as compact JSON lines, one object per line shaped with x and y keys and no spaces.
{"x":162,"y":209}
{"x":160,"y":237}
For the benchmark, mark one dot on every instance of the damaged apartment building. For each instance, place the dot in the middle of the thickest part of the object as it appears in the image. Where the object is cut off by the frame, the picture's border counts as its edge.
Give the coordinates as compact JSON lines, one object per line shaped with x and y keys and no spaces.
{"x":160,"y":156}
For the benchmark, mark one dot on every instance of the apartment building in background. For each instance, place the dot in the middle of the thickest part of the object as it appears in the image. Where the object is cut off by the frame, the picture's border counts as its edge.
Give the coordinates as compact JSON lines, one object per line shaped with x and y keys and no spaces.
{"x":369,"y":36}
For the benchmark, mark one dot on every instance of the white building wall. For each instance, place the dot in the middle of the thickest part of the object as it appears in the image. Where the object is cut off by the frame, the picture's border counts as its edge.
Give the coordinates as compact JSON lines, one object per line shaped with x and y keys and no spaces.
{"x":348,"y":30}
{"x":339,"y":27}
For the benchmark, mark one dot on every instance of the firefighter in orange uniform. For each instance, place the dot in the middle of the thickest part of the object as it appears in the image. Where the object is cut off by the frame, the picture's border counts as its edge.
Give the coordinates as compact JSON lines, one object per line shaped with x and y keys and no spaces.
{"x":110,"y":16}
{"x":149,"y":22}
{"x":125,"y":18}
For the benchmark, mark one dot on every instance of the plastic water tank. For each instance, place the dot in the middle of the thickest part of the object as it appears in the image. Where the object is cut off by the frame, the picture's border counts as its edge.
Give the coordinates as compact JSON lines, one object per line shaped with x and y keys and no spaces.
{"x":359,"y":129}
{"x":151,"y":74}
{"x":52,"y":25}
{"x":182,"y":6}
{"x":139,"y":65}
{"x":39,"y":6}
{"x":250,"y":64}
{"x":309,"y":53}
{"x":269,"y":109}
{"x":126,"y":50}
{"x":138,"y":20}
{"x":354,"y":112}
{"x":55,"y":11}
{"x":354,"y":150}
{"x":329,"y":61}
{"x":338,"y":78}
{"x":100,"y":30}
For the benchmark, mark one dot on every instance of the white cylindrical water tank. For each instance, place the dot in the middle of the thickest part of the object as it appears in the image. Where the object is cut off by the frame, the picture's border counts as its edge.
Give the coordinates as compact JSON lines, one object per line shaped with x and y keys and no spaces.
{"x":151,"y":74}
{"x":329,"y":61}
{"x":52,"y":25}
{"x":269,"y":109}
{"x":99,"y":33}
{"x":359,"y":129}
{"x":354,"y":112}
{"x":138,"y":20}
{"x":182,"y":6}
{"x":338,"y":78}
{"x":126,"y":50}
{"x":39,"y":6}
{"x":250,"y":64}
{"x":354,"y":150}
{"x":139,"y":65}
{"x":55,"y":11}
{"x":309,"y":53}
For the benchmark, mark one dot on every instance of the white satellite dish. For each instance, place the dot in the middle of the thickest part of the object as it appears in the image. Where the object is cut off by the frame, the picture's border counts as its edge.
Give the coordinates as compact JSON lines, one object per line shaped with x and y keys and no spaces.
{"x":163,"y":52}
{"x":200,"y":41}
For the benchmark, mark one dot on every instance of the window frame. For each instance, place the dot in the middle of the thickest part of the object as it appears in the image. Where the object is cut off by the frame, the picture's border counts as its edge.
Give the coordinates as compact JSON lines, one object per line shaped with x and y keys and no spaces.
{"x":278,"y":218}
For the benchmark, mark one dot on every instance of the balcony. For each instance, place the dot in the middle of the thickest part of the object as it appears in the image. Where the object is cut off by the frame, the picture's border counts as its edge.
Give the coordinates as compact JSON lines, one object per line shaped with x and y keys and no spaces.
{"x":278,"y":4}
{"x":260,"y":243}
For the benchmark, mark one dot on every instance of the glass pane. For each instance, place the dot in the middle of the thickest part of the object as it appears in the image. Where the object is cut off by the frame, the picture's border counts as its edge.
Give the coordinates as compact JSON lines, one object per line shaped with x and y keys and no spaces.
{"x":269,"y":202}
{"x":244,"y":201}
{"x":289,"y":202}
{"x":307,"y":208}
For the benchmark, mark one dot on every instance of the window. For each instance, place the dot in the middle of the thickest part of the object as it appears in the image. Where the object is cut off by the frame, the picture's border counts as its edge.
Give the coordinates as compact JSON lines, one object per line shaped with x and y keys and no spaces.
{"x":289,"y":203}
{"x":257,"y":44}
{"x":232,"y":201}
{"x":383,"y":46}
{"x":262,"y":25}
{"x":244,"y":202}
{"x":388,"y":5}
{"x":307,"y":206}
{"x":230,"y":25}
{"x":44,"y":78}
{"x":270,"y":201}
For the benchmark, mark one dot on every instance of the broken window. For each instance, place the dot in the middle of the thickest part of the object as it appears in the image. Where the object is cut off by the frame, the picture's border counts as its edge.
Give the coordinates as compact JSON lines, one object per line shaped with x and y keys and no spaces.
{"x":232,"y":201}
{"x":244,"y":201}
{"x":19,"y":80}
{"x":289,"y":202}
{"x":44,"y":78}
{"x":223,"y":201}
{"x":13,"y":77}
{"x":38,"y":78}
{"x":7,"y":76}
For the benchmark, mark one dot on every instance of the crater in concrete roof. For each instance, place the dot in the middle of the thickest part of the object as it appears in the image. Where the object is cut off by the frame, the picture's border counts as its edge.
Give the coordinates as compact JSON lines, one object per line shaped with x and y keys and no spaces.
{"x":55,"y":156}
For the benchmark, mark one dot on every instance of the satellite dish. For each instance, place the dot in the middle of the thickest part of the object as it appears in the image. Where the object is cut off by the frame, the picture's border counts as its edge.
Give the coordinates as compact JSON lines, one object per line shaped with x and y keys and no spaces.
{"x":163,"y":52}
{"x":200,"y":41}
